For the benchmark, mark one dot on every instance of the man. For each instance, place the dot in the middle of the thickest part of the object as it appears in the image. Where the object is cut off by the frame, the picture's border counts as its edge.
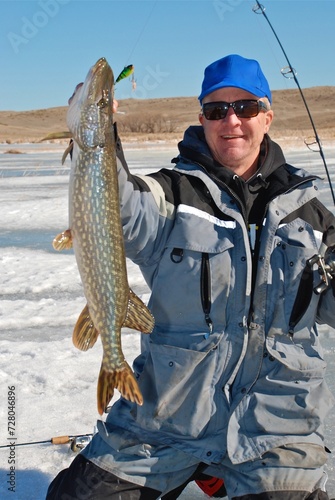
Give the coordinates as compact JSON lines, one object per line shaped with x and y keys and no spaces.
{"x":232,"y":375}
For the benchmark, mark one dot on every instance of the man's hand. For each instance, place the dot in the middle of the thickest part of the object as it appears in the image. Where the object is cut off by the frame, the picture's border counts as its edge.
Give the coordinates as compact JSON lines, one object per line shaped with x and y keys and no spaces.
{"x":326,"y":269}
{"x":115,"y":105}
{"x":330,"y":261}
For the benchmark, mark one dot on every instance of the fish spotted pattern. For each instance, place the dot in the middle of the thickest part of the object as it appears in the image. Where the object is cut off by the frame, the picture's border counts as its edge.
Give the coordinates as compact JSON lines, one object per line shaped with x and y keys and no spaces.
{"x":97,"y":237}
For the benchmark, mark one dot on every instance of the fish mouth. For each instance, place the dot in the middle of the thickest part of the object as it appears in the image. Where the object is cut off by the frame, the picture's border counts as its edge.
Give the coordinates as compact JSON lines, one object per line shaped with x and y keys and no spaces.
{"x":98,"y":84}
{"x":100,"y":65}
{"x":91,"y":104}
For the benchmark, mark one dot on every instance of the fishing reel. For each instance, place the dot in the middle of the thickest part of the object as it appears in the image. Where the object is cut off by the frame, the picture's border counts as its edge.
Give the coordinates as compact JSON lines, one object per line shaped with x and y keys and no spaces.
{"x":326,"y":268}
{"x":78,"y":443}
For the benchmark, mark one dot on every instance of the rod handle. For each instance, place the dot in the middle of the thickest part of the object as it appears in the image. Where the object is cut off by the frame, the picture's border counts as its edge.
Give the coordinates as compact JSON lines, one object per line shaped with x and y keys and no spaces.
{"x":60,"y":439}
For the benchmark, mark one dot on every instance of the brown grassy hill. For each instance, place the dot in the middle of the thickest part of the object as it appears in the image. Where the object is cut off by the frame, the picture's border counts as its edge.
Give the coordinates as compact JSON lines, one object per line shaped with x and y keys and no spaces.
{"x":167,"y":118}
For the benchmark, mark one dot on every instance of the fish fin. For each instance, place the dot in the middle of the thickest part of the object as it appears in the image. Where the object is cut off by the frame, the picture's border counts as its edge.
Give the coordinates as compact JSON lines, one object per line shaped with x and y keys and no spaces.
{"x":57,"y":135}
{"x":67,"y":152}
{"x":84,"y":333}
{"x":63,"y":241}
{"x":138,"y":315}
{"x":122,"y":379}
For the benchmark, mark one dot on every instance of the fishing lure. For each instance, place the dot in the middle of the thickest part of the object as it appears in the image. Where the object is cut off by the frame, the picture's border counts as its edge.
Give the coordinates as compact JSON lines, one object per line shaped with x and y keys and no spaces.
{"x":127,"y":71}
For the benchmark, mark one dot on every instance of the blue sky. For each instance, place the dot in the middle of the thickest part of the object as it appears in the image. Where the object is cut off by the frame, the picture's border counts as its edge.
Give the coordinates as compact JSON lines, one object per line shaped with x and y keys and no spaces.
{"x":47,"y":46}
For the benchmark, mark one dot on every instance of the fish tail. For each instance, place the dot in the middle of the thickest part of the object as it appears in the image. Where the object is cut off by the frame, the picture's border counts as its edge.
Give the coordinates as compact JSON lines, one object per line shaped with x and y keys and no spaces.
{"x":122,"y":379}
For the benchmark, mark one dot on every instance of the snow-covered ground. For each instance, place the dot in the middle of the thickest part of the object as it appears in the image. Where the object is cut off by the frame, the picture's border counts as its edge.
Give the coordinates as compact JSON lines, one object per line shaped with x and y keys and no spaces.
{"x":54,"y":384}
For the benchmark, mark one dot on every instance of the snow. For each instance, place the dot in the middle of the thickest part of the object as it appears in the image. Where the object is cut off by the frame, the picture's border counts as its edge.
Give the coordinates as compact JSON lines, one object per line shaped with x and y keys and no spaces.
{"x":41,"y":298}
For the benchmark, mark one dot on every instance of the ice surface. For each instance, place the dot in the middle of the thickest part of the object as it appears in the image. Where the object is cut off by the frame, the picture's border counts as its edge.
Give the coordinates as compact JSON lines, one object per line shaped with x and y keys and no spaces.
{"x":41,"y":297}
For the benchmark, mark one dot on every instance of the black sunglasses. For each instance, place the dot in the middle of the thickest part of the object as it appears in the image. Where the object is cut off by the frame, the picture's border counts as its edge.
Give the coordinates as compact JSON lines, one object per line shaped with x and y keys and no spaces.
{"x":245,"y":108}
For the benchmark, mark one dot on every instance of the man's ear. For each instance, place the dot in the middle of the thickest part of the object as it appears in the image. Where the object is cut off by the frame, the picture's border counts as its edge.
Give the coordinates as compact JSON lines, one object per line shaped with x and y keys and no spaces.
{"x":268,"y":120}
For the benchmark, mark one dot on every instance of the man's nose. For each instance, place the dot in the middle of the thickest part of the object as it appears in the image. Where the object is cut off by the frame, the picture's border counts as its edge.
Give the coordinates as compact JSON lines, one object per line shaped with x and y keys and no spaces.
{"x":231,"y":115}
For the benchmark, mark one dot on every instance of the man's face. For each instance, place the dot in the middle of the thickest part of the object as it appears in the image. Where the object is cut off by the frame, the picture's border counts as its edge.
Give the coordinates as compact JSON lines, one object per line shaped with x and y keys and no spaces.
{"x":235,"y":142}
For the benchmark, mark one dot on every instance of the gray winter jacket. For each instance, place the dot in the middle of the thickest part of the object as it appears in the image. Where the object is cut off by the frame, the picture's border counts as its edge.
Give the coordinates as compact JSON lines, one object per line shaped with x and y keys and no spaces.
{"x":234,"y":364}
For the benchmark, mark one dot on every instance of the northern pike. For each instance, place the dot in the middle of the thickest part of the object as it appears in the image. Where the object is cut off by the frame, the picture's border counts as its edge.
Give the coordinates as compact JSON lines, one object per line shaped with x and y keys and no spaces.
{"x":97,"y":237}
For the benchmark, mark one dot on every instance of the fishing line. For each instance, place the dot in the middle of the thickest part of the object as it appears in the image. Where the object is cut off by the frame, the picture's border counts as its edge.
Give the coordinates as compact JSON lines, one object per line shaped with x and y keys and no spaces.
{"x":121,"y":76}
{"x":142,"y":31}
{"x":290,"y":72}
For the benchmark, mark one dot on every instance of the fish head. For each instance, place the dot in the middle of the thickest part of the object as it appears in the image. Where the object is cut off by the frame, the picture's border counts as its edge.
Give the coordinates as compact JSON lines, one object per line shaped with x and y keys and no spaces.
{"x":90,"y":114}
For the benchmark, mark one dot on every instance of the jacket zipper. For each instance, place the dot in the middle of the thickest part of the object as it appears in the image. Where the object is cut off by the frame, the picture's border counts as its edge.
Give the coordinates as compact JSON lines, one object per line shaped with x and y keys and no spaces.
{"x":205,"y":291}
{"x":205,"y":267}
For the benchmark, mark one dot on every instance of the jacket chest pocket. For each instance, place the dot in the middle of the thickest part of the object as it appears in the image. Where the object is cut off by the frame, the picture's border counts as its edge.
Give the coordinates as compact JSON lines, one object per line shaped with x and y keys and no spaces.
{"x":193,"y":273}
{"x":290,"y":281}
{"x":299,"y":234}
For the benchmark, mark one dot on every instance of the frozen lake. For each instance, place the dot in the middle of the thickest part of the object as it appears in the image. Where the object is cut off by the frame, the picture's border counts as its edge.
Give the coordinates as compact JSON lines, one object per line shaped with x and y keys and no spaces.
{"x":41,"y":298}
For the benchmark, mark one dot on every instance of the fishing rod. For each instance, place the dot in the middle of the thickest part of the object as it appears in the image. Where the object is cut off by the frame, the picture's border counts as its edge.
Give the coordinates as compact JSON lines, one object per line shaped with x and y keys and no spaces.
{"x":78,"y":441}
{"x":260,"y":9}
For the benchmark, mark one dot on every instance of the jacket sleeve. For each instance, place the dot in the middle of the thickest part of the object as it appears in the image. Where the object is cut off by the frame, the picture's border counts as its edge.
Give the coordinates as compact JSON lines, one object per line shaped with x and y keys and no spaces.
{"x":326,"y":307}
{"x":146,"y":216}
